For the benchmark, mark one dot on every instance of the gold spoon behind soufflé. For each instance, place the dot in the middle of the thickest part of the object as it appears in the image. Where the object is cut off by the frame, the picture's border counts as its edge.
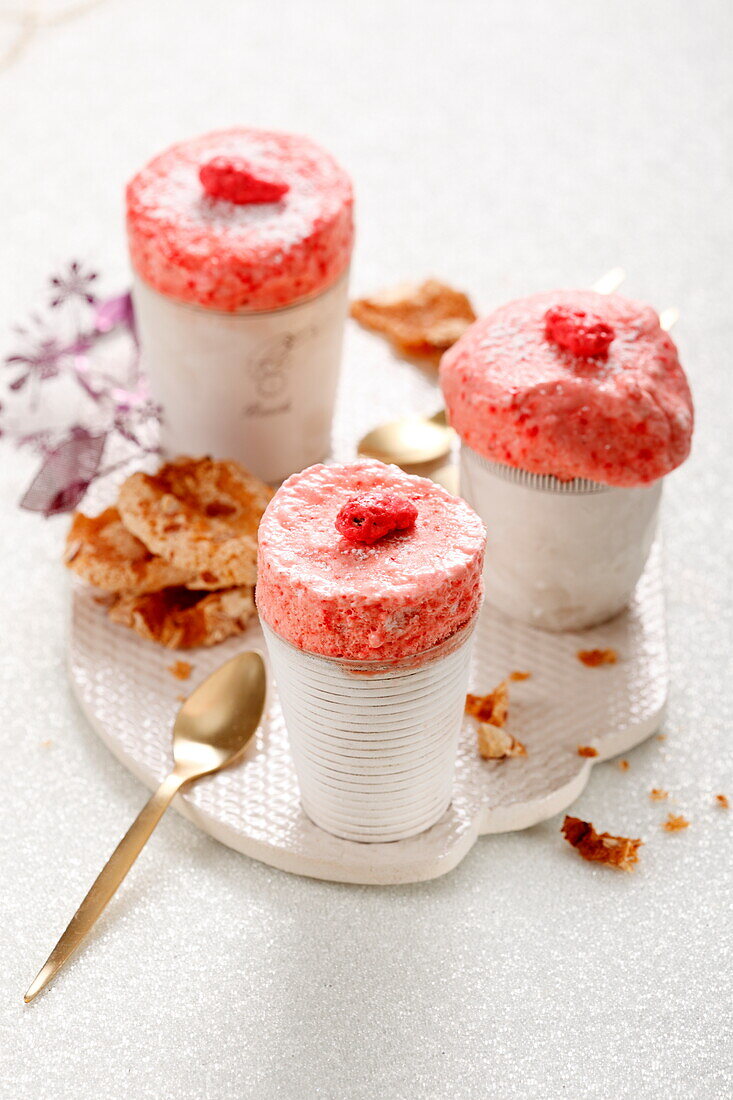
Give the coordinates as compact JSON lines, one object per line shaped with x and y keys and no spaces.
{"x":213,"y":727}
{"x":426,"y":440}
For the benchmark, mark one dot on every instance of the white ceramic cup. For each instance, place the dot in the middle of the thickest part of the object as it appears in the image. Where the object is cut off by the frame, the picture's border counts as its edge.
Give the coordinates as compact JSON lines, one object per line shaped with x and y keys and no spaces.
{"x":256,"y":387}
{"x":374,"y":743}
{"x":560,"y":555}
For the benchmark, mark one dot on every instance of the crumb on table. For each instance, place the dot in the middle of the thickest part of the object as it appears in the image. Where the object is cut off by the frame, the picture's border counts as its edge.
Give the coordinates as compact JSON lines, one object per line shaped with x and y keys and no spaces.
{"x":674,"y":823}
{"x":620,"y":852}
{"x":587,"y":750}
{"x":492,"y":708}
{"x":180,"y":669}
{"x":593,"y":658}
{"x":496,"y":744}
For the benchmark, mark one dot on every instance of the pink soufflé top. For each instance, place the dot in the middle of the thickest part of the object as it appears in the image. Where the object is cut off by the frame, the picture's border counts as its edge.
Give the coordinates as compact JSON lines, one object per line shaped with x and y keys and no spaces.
{"x":517,"y":397}
{"x":395,"y":598}
{"x":252,"y":256}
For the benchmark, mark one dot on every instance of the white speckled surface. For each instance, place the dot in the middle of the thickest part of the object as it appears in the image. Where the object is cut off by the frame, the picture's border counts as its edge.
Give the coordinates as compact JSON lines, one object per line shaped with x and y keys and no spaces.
{"x":549,"y":143}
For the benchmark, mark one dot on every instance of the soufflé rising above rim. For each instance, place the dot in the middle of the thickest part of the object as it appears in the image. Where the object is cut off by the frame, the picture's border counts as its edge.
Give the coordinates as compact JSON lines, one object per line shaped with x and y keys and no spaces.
{"x":396,"y":597}
{"x":195,"y":246}
{"x":609,"y":402}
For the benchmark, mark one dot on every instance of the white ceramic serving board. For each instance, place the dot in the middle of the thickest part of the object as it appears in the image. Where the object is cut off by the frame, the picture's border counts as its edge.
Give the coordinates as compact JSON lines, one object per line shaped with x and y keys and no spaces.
{"x":130,"y":698}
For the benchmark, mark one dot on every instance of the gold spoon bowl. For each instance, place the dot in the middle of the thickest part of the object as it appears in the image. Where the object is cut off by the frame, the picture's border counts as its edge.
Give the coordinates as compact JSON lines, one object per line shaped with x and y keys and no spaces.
{"x":410,"y":441}
{"x":211,"y":731}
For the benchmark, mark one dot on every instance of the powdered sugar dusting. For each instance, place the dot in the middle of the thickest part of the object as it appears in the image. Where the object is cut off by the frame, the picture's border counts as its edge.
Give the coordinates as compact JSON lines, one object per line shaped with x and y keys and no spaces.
{"x":227,"y":256}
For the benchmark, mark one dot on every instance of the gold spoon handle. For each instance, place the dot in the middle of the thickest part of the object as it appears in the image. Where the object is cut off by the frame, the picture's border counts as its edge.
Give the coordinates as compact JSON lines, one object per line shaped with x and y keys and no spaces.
{"x":107,"y":882}
{"x":610,"y":282}
{"x":668,"y":318}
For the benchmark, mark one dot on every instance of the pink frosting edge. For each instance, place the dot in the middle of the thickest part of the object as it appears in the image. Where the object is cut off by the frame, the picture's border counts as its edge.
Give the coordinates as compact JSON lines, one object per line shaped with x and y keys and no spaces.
{"x":228,"y":280}
{"x":523,"y":428}
{"x":315,"y":628}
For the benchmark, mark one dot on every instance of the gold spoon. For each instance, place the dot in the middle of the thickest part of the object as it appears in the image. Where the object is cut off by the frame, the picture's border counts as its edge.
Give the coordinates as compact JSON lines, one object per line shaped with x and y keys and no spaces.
{"x":212,"y":729}
{"x":419,"y":440}
{"x":409,"y":441}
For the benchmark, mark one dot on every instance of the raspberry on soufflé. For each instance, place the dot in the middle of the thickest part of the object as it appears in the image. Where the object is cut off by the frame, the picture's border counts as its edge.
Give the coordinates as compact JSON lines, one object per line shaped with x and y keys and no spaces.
{"x":241,"y":219}
{"x":574,"y":384}
{"x":237,"y":180}
{"x":413,"y":584}
{"x":368,"y":517}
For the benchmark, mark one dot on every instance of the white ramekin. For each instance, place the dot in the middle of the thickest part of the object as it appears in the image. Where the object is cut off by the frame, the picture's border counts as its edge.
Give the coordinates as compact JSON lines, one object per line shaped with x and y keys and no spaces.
{"x":374,"y":743}
{"x":256,"y":387}
{"x":560,"y":555}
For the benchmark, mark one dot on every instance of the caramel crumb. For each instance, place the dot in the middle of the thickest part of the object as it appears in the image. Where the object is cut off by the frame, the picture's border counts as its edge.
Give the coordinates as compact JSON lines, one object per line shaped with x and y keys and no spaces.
{"x":661,"y":737}
{"x":492,"y":711}
{"x":615,"y":851}
{"x":492,"y":708}
{"x":180,"y":669}
{"x":592,"y":658}
{"x":497,"y":744}
{"x":517,"y":675}
{"x":722,"y":801}
{"x":674,"y":823}
{"x":658,"y":795}
{"x":624,"y":765}
{"x":49,"y":744}
{"x":419,"y":319}
{"x":587,"y":750}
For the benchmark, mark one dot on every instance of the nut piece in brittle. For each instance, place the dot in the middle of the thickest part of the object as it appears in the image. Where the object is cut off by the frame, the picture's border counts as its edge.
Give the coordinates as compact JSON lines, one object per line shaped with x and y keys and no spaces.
{"x":419,"y":318}
{"x":101,"y":551}
{"x":202,"y":516}
{"x":615,"y":851}
{"x":182,"y":619}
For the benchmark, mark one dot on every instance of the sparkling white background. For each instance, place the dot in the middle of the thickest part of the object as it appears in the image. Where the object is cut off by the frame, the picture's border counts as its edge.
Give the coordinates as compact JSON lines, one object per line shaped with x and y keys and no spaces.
{"x":507,"y":147}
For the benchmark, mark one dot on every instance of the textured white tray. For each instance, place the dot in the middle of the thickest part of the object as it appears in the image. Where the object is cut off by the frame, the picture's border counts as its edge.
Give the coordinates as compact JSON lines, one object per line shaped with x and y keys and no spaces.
{"x":130,"y":698}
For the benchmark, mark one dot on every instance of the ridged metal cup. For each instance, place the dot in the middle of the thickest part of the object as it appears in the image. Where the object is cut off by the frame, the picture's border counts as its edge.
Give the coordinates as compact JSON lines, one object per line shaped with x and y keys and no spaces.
{"x":374,"y":743}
